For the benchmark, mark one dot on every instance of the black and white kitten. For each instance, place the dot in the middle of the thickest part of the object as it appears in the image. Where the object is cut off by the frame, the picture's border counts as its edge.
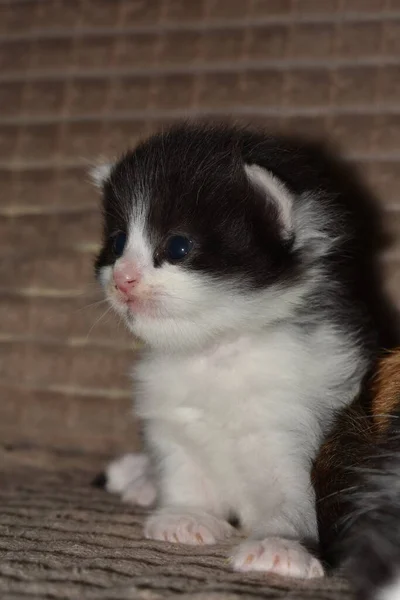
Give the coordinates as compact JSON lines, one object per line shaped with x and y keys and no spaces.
{"x":238,"y":259}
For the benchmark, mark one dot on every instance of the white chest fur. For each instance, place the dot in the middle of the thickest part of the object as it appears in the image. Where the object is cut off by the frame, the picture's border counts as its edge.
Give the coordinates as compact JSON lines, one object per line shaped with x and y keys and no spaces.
{"x":250,"y":411}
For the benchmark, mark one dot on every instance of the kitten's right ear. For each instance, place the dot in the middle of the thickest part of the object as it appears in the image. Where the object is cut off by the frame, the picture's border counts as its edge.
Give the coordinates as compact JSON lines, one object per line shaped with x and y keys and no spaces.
{"x":100,"y":173}
{"x":275,"y":192}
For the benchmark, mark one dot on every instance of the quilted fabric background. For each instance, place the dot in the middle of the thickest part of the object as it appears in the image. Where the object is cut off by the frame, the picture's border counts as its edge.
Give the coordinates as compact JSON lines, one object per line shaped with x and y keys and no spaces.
{"x":82,"y":79}
{"x":85,"y":79}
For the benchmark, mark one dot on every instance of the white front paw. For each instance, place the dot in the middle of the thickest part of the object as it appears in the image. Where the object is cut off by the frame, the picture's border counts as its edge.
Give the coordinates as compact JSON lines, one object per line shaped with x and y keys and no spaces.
{"x":186,"y":527}
{"x":287,"y":558}
{"x":130,"y":477}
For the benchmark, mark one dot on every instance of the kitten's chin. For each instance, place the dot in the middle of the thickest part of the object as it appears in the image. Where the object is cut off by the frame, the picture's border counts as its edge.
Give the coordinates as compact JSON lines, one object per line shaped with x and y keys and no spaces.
{"x":143,"y":308}
{"x":135,"y":307}
{"x":167,"y":334}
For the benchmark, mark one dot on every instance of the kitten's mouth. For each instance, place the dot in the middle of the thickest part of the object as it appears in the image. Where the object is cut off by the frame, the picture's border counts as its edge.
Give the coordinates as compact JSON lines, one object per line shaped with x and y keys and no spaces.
{"x":135,"y":306}
{"x":141,"y":307}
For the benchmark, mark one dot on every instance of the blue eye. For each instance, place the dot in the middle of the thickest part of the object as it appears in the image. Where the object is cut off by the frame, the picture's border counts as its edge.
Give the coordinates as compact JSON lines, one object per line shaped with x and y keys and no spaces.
{"x":178,"y":246}
{"x":119,"y":244}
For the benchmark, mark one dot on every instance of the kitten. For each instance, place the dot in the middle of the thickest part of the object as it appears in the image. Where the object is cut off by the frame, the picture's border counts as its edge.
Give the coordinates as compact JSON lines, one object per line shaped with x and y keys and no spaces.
{"x":357,"y":480}
{"x":238,"y":259}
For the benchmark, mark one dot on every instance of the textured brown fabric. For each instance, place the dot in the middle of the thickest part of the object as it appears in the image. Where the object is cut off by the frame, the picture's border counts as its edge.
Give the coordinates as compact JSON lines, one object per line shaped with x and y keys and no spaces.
{"x":61,"y":539}
{"x":81,"y":79}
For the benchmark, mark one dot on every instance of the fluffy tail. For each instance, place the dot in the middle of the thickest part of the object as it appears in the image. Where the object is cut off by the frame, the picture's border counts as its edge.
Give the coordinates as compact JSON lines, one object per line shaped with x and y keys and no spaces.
{"x":360,"y":505}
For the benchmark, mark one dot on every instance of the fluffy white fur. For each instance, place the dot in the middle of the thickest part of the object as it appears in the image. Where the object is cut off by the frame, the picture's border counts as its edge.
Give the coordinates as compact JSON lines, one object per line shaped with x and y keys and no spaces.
{"x":130,"y":476}
{"x":189,"y":526}
{"x":100,"y":173}
{"x":390,"y":592}
{"x":234,"y":400}
{"x":287,"y":558}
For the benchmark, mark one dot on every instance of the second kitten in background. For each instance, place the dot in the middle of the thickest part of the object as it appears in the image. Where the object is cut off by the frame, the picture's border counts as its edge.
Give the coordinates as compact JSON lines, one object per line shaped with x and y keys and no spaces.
{"x":357,"y":480}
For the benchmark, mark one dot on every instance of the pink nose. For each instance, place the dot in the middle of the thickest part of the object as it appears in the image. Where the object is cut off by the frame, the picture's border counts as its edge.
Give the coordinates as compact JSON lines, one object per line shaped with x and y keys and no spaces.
{"x":125,"y":279}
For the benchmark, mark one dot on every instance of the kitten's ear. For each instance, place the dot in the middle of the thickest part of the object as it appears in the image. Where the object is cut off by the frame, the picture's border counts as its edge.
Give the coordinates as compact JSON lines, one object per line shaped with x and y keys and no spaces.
{"x":100,"y":173}
{"x":275,"y":192}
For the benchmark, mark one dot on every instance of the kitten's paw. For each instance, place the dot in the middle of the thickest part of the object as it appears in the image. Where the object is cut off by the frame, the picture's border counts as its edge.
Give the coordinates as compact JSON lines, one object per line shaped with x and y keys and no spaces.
{"x":190,"y":527}
{"x":287,"y":558}
{"x":130,"y":477}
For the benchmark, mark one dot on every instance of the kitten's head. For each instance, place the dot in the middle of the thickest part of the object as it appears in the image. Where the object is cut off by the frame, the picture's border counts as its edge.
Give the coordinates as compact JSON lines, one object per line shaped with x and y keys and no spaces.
{"x":198,"y":242}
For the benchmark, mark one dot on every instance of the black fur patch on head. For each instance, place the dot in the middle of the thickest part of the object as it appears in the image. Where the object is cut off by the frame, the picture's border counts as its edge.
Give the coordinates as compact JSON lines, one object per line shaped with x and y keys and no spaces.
{"x":115,"y":219}
{"x":194,"y":184}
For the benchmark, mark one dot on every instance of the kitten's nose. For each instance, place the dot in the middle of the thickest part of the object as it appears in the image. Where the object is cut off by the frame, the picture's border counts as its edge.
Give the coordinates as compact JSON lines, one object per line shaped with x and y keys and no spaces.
{"x":125,"y":278}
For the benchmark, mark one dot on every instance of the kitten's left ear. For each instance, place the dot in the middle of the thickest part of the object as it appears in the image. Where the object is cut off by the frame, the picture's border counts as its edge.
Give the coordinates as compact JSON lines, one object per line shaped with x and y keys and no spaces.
{"x":100,"y":173}
{"x":275,"y":192}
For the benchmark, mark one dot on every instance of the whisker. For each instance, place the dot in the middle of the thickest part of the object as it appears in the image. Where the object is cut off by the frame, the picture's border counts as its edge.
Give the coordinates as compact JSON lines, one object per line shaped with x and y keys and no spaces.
{"x":91,"y":305}
{"x":98,"y":321}
{"x":341,"y":491}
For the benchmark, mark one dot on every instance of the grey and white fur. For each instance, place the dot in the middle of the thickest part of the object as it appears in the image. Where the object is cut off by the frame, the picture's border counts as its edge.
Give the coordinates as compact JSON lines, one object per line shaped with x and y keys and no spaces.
{"x":237,"y":258}
{"x":369,"y":540}
{"x":373,"y":540}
